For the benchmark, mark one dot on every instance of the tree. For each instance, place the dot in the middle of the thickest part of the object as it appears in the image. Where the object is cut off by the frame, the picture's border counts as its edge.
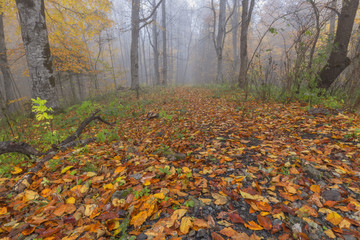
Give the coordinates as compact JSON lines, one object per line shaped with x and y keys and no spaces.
{"x":245,"y":22}
{"x":154,"y":45}
{"x":5,"y":69}
{"x":219,"y":39}
{"x":37,"y":48}
{"x":135,"y":32}
{"x":163,"y":10}
{"x":338,"y":60}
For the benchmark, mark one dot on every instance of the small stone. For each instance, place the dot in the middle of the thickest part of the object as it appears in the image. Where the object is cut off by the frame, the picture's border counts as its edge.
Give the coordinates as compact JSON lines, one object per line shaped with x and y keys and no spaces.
{"x":349,"y":237}
{"x":137,"y":176}
{"x":180,"y":156}
{"x":304,"y":195}
{"x":312,"y":172}
{"x":142,"y":236}
{"x":332,"y":195}
{"x":296,"y":228}
{"x":201,"y":233}
{"x":192,"y":233}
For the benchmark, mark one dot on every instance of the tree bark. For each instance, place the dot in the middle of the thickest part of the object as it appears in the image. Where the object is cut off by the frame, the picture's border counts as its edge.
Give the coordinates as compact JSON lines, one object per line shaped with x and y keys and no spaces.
{"x":163,"y":9}
{"x":338,"y":60}
{"x":245,"y":22}
{"x":5,"y":70}
{"x":235,"y":28}
{"x":35,"y":37}
{"x":332,"y":20}
{"x":155,"y":47}
{"x":134,"y":49}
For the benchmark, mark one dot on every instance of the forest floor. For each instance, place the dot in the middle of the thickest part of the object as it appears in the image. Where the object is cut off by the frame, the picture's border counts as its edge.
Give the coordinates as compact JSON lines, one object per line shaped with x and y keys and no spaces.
{"x":209,"y":167}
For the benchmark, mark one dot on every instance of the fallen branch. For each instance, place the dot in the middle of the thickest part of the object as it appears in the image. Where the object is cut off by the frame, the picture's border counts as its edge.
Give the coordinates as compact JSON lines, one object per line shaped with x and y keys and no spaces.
{"x":81,"y":128}
{"x":69,"y":142}
{"x":19,"y":147}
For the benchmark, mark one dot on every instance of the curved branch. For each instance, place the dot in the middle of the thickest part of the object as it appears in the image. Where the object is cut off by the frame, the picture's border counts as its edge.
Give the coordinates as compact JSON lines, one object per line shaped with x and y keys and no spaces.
{"x":19,"y":147}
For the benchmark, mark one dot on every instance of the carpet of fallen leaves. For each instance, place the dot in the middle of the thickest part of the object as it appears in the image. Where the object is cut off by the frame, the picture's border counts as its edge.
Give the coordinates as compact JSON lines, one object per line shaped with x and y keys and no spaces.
{"x":210,"y":167}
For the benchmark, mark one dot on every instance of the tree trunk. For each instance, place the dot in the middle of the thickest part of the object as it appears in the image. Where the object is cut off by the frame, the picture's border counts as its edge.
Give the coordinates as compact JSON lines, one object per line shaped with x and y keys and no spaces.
{"x":163,"y":8}
{"x":235,"y":28}
{"x":155,"y":47}
{"x":5,"y":70}
{"x":111,"y":59}
{"x":134,"y":58}
{"x":37,"y":49}
{"x":332,"y":20}
{"x":338,"y":59}
{"x":245,"y":22}
{"x":78,"y":83}
{"x":220,"y":38}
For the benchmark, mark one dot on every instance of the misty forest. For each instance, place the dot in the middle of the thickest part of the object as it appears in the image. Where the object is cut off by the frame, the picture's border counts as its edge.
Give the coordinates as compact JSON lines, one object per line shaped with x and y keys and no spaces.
{"x":179,"y":119}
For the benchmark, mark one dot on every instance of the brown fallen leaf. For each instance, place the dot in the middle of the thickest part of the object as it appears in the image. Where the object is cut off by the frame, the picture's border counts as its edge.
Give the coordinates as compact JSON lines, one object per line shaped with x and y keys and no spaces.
{"x":216,"y":236}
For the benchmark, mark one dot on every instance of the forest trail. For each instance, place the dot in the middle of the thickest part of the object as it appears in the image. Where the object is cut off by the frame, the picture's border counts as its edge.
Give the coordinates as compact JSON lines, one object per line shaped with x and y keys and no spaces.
{"x":211,"y":166}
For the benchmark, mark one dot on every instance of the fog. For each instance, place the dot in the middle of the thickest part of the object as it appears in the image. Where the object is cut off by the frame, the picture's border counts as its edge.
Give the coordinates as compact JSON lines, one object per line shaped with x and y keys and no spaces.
{"x":91,"y":43}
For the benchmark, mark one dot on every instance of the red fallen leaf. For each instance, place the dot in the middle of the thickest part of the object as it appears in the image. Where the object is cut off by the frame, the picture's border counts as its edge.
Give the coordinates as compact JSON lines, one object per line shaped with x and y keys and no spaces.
{"x":287,"y":209}
{"x":49,"y":232}
{"x":276,"y":228}
{"x":351,"y":207}
{"x":216,"y":236}
{"x":69,"y":219}
{"x":303,"y":236}
{"x":108,"y":215}
{"x":265,"y":222}
{"x":285,"y":236}
{"x":235,"y":218}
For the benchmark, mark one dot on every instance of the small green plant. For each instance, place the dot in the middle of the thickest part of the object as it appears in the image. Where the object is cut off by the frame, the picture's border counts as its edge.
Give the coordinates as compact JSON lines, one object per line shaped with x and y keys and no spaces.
{"x":45,"y":182}
{"x":54,"y":164}
{"x":165,"y":116}
{"x":189,"y":203}
{"x":165,"y":170}
{"x":42,"y":112}
{"x":144,"y":192}
{"x":89,"y":167}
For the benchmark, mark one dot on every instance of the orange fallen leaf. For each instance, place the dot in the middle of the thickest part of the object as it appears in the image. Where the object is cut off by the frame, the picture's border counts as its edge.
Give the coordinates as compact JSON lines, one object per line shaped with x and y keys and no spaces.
{"x":139,"y":219}
{"x":263,"y":206}
{"x":119,"y":169}
{"x":219,"y":199}
{"x":3,"y":211}
{"x":28,"y":231}
{"x":186,"y":224}
{"x":253,"y":226}
{"x":330,"y":233}
{"x":229,"y":232}
{"x":334,"y":218}
{"x":200,"y":223}
{"x":315,"y":188}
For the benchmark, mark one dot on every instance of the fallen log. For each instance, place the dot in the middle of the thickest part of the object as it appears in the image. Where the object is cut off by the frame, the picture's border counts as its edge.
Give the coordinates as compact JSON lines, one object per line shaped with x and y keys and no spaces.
{"x":19,"y":147}
{"x":71,"y":141}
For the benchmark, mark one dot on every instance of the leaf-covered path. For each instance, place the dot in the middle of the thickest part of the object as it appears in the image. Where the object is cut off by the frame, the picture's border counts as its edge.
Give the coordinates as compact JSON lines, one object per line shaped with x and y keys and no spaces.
{"x":209,"y":167}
